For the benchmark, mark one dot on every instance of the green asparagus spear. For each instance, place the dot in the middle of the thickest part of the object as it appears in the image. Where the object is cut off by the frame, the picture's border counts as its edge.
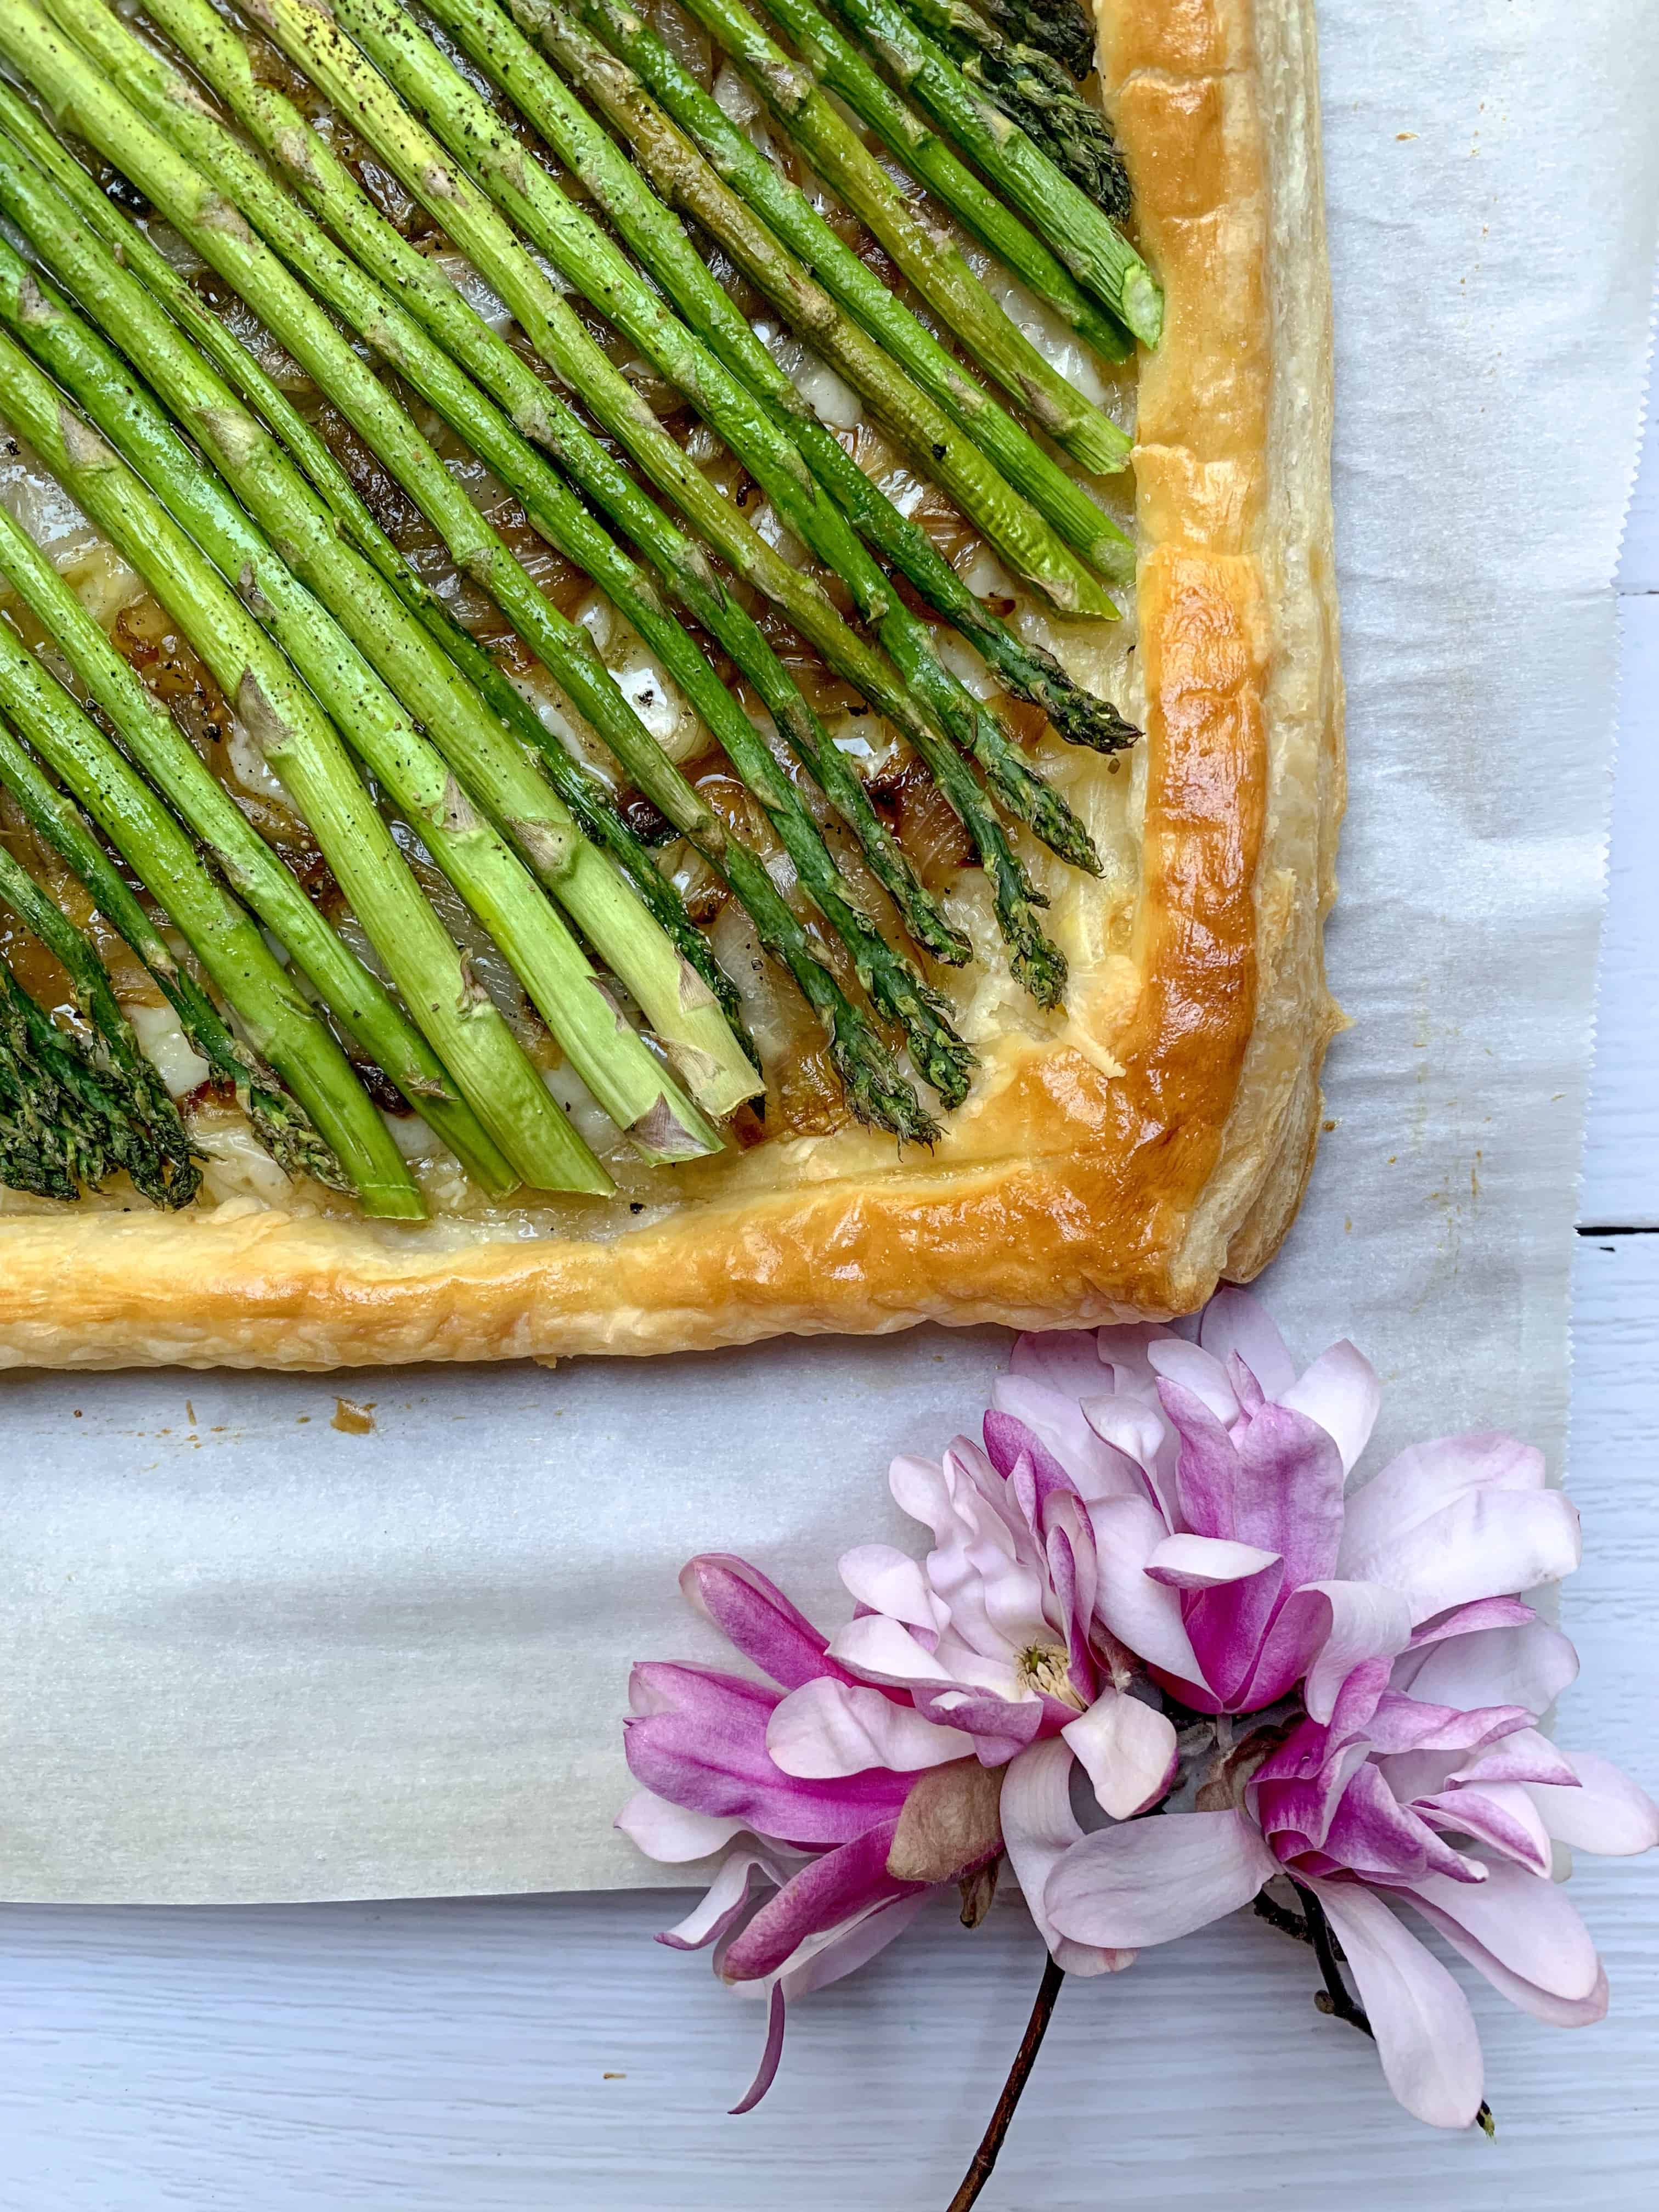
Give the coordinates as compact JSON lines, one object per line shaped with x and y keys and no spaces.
{"x":400,"y":50}
{"x":877,"y":1088}
{"x":1035,"y":90}
{"x":896,"y":986}
{"x":277,"y":1120}
{"x":63,"y":1123}
{"x":300,"y":747}
{"x":580,"y":791}
{"x":311,"y":336}
{"x":1075,"y":227}
{"x":791,"y":214}
{"x":146,"y":1134}
{"x":500,"y":50}
{"x":923,"y":252}
{"x":682,"y":177}
{"x":1064,"y":29}
{"x":414,"y":278}
{"x":612,"y":1061}
{"x":280,"y":1023}
{"x":923,"y":688}
{"x":607,"y":1054}
{"x":796,"y":433}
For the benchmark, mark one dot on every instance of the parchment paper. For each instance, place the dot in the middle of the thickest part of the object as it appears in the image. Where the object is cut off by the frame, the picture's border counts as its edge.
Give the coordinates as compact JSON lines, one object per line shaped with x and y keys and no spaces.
{"x":245,"y":1655}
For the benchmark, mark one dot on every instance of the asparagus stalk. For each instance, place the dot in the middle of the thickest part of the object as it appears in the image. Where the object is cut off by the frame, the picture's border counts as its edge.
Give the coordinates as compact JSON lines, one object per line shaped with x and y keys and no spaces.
{"x":146,"y":1134}
{"x":923,"y":688}
{"x":893,"y":982}
{"x":65,"y":1121}
{"x":41,"y":1149}
{"x":413,"y":277}
{"x":1076,"y":227}
{"x":597,"y":1043}
{"x":278,"y":1120}
{"x":684,"y":179}
{"x":791,"y":214}
{"x":1035,"y":90}
{"x":303,"y":749}
{"x":613,"y":1062}
{"x":874,"y":1085}
{"x":661,"y":243}
{"x":302,"y":326}
{"x":580,"y":792}
{"x":924,"y":253}
{"x":281,"y":1022}
{"x":614,"y":1065}
{"x":398,"y":47}
{"x":500,"y":50}
{"x":608,"y":1054}
{"x":1060,"y":27}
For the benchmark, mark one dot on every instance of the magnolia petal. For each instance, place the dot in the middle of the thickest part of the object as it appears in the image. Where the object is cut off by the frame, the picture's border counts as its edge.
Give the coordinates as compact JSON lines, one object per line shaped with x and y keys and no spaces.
{"x":890,"y":1581}
{"x":1128,"y":1750}
{"x":1422,"y":1480}
{"x":1485,"y":1541}
{"x":671,"y":1833}
{"x":1234,"y":1321}
{"x":1465,"y":1619}
{"x":1140,"y":1612}
{"x":1136,"y":1427}
{"x":828,"y":1728}
{"x":921,"y":1488}
{"x":1066,"y":1359}
{"x":704,"y":1747}
{"x":1195,"y":1370}
{"x":840,"y":1951}
{"x":883,"y":1651}
{"x":1607,"y":1814}
{"x":1530,"y":1928}
{"x":1038,"y":1828}
{"x":1274,"y":1480}
{"x":1198,"y":1563}
{"x":999,"y":1727}
{"x":1342,"y":1394}
{"x":753,"y":1613}
{"x":1098,"y":1468}
{"x":771,"y":2053}
{"x":1150,"y":1880}
{"x":1499,"y":1814}
{"x":1526,"y":1996}
{"x":1530,"y":1665}
{"x":1525,"y":1755}
{"x":1382,"y":1840}
{"x":722,"y":1904}
{"x":1425,"y":2031}
{"x":1362,"y":1622}
{"x":826,"y":1892}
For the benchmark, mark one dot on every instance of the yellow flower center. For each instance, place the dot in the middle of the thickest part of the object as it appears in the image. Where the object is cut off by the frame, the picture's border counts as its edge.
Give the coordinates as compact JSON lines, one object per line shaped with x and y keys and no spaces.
{"x":1047,"y":1668}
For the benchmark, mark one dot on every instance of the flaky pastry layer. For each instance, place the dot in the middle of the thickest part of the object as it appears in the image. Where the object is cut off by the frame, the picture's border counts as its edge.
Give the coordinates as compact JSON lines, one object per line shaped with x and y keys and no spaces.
{"x":1117,"y":1163}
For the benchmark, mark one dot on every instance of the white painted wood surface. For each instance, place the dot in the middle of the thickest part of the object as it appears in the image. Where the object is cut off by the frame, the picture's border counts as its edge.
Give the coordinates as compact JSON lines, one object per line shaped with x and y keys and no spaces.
{"x":545,"y":2055}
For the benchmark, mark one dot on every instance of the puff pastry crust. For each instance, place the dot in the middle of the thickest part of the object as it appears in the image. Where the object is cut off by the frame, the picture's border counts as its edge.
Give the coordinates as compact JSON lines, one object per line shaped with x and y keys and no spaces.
{"x":1116,"y":1163}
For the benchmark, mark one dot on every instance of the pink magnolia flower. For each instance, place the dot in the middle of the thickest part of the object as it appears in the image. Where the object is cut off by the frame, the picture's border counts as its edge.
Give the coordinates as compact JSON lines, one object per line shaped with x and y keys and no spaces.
{"x":1214,"y":1478}
{"x":996,"y":1636}
{"x":1150,"y":1571}
{"x":849,"y":1804}
{"x":1420,"y":1675}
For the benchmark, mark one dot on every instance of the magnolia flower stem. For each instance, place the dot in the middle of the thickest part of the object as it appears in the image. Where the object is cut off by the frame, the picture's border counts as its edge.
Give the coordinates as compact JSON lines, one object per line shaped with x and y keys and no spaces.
{"x":985,"y":2158}
{"x":1334,"y":2000}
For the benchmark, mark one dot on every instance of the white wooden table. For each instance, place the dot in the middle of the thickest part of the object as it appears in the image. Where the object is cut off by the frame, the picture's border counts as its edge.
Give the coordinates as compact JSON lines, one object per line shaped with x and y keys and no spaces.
{"x":534,"y":2054}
